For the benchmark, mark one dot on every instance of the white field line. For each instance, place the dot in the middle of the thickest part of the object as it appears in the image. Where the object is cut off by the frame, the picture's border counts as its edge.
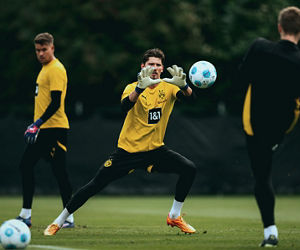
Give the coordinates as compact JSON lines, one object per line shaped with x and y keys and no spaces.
{"x":53,"y":247}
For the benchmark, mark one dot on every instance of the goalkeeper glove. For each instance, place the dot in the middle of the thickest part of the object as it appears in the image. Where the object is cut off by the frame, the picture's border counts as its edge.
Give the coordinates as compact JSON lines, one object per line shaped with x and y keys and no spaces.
{"x":32,"y":131}
{"x":144,"y":79}
{"x":178,"y":77}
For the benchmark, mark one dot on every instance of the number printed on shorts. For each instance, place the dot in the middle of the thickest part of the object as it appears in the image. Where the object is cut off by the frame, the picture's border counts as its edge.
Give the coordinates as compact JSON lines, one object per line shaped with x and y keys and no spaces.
{"x":154,"y":116}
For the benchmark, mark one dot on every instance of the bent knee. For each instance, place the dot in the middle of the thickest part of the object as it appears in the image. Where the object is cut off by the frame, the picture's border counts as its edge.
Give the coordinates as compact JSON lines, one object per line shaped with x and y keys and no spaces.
{"x":190,"y":168}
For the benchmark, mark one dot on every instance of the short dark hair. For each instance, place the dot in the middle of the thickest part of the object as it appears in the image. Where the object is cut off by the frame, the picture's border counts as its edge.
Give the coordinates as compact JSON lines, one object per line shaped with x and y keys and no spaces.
{"x":289,"y":19}
{"x":153,"y":53}
{"x":44,"y":38}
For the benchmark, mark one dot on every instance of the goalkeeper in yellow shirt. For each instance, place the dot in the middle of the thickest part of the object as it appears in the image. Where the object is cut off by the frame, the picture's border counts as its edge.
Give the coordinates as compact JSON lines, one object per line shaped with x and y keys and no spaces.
{"x":148,"y":104}
{"x":47,"y":136}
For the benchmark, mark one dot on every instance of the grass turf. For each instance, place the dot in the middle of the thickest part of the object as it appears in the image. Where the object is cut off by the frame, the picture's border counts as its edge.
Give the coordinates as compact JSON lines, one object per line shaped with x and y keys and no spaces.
{"x":130,"y":222}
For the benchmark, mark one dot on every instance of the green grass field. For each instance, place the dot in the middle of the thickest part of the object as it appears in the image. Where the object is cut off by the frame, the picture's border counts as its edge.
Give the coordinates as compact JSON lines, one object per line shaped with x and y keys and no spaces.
{"x":132,"y":222}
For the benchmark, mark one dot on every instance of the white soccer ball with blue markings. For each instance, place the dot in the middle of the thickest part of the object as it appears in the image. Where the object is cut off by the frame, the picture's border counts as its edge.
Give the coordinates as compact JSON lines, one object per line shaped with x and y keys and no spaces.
{"x":14,"y":234}
{"x":203,"y":74}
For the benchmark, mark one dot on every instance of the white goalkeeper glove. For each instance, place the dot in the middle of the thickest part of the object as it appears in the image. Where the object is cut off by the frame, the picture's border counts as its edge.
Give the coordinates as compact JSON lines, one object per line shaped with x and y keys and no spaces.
{"x":144,"y":79}
{"x":179,"y":77}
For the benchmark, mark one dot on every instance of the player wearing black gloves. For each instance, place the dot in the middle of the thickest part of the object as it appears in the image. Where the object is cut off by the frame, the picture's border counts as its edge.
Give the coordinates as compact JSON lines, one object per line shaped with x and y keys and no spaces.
{"x":47,"y":136}
{"x":148,"y":104}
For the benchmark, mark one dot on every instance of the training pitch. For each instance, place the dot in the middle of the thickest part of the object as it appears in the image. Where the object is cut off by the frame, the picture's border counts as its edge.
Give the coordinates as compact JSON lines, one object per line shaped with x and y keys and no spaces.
{"x":134,"y":222}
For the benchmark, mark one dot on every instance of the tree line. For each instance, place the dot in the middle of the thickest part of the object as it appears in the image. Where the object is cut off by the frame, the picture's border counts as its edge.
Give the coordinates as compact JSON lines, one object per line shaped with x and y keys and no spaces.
{"x":101,"y":42}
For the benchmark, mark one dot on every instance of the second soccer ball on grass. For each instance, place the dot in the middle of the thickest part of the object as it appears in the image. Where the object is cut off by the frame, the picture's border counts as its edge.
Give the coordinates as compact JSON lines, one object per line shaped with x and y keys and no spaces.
{"x":14,"y":234}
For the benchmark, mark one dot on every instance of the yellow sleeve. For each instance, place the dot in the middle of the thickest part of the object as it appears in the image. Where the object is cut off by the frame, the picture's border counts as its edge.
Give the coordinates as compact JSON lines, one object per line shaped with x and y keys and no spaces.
{"x":129,"y":88}
{"x":57,"y":79}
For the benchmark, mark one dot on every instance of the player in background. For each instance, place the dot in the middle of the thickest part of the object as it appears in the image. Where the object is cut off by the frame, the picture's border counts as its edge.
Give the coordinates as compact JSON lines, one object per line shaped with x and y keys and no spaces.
{"x":148,"y":104}
{"x":47,"y":136}
{"x":271,"y":107}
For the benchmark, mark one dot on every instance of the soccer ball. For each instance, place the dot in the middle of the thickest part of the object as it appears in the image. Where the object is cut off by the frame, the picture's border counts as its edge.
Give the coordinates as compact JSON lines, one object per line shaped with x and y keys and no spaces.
{"x":203,"y":74}
{"x":14,"y":234}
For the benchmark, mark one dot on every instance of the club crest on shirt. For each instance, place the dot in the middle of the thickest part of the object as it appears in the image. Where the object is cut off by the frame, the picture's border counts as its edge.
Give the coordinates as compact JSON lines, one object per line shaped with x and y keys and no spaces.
{"x":161,"y":94}
{"x":108,"y":163}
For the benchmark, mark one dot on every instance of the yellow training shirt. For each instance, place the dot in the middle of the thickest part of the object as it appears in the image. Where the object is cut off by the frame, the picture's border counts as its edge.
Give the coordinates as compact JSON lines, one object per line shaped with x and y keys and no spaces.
{"x":146,"y":122}
{"x":52,"y":77}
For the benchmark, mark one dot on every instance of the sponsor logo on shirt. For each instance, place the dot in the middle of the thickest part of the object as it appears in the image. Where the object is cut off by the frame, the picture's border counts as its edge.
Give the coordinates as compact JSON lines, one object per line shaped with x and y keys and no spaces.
{"x":154,"y":115}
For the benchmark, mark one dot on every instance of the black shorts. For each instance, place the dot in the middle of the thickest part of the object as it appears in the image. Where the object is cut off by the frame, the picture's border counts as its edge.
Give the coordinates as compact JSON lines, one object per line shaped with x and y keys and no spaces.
{"x":162,"y":160}
{"x":49,"y":143}
{"x":122,"y":163}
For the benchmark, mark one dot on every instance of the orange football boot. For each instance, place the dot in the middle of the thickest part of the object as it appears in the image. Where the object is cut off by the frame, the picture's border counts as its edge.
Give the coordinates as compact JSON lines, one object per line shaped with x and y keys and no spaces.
{"x":180,"y":223}
{"x":51,"y":229}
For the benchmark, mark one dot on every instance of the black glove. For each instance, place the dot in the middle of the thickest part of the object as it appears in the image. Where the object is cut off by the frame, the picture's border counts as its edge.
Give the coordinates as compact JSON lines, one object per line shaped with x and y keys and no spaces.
{"x":32,"y":132}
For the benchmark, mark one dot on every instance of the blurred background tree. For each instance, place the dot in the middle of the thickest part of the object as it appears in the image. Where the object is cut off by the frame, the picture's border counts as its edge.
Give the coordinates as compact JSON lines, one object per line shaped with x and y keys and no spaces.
{"x":101,"y":43}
